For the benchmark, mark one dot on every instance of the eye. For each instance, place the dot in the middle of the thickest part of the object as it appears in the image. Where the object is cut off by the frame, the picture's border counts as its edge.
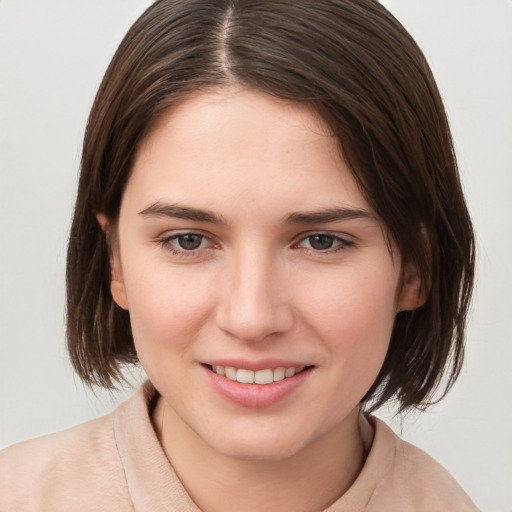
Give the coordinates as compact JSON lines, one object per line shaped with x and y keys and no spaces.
{"x":323,"y":242}
{"x":188,"y":241}
{"x":185,"y":242}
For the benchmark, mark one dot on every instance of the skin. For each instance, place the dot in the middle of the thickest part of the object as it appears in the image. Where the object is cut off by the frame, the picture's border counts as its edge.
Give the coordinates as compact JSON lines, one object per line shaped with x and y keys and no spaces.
{"x":256,"y":287}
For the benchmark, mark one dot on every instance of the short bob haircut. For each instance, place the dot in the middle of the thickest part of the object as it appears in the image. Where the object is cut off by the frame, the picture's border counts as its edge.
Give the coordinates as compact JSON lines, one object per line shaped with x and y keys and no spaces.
{"x":355,"y":65}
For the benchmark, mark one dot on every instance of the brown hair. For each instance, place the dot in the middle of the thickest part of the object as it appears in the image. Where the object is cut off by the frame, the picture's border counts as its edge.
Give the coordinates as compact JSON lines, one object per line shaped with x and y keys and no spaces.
{"x":362,"y":72}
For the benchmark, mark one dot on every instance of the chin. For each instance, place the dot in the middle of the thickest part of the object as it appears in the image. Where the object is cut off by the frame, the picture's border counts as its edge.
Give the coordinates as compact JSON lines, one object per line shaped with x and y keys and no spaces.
{"x":260,"y":453}
{"x":257,"y":447}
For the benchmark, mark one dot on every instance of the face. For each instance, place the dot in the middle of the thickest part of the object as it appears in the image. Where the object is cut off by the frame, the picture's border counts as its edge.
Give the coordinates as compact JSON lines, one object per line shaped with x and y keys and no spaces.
{"x":261,"y":287}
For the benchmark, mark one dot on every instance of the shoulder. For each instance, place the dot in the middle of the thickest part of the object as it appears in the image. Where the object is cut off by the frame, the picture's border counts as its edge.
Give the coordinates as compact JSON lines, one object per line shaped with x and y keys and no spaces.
{"x":67,"y":470}
{"x":413,"y":480}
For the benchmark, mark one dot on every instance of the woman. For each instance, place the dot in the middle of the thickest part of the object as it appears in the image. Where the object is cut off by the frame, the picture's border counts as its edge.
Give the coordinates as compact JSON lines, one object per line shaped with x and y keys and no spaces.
{"x":270,"y":220}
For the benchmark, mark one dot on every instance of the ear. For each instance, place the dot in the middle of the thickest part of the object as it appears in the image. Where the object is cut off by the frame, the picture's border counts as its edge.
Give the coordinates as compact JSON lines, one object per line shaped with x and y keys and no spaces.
{"x":412,"y":294}
{"x":116,"y":272}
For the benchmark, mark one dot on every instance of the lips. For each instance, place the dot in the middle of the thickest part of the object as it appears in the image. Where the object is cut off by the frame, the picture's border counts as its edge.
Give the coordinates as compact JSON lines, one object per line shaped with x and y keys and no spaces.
{"x":263,"y":386}
{"x":264,"y":376}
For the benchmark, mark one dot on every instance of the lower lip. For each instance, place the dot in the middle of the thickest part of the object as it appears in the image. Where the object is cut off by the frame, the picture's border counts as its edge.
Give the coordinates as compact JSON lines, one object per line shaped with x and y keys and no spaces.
{"x":256,"y":395}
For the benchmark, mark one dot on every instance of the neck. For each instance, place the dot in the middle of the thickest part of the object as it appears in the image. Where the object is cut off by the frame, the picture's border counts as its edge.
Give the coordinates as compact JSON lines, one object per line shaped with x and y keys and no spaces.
{"x":311,"y":479}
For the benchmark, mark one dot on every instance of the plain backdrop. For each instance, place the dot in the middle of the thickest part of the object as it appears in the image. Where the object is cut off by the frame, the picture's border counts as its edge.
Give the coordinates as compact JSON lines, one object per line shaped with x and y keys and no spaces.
{"x":52,"y":56}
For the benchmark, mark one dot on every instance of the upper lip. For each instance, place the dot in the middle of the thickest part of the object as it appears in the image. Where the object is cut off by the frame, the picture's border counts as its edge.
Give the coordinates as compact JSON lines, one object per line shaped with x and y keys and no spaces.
{"x":261,"y":364}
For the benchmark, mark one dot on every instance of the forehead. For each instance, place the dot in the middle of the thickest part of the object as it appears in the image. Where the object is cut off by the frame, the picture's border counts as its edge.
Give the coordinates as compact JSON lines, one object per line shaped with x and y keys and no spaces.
{"x":243,"y":146}
{"x":235,"y":113}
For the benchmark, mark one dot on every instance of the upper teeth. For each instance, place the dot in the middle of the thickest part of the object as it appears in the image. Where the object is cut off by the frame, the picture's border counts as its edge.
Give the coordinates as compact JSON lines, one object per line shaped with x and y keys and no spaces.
{"x":266,"y":376}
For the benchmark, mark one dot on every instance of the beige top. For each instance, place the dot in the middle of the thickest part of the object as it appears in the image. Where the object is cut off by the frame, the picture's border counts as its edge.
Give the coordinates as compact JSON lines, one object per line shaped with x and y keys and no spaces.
{"x":115,"y":463}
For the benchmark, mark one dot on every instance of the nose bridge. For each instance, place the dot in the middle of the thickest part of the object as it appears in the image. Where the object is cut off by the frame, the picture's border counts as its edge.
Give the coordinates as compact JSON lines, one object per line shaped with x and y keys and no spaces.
{"x":253,"y":304}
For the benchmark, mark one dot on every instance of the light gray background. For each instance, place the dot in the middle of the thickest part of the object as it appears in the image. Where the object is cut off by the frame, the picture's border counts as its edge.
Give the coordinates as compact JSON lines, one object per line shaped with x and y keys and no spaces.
{"x":52,"y":57}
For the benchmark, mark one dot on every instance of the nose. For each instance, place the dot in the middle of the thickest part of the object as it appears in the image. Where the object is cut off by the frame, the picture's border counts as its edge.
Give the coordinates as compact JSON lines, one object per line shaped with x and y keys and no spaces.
{"x":253,"y":302}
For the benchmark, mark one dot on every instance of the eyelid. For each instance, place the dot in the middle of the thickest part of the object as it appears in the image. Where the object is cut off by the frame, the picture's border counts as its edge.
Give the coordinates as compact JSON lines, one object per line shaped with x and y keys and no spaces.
{"x":344,"y":240}
{"x":345,"y":237}
{"x":174,"y":233}
{"x":167,"y":238}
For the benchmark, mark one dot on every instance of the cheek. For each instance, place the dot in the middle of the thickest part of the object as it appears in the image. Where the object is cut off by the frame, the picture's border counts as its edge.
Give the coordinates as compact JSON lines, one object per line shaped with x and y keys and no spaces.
{"x":352,"y":301}
{"x":354,"y":317}
{"x":166,"y":308}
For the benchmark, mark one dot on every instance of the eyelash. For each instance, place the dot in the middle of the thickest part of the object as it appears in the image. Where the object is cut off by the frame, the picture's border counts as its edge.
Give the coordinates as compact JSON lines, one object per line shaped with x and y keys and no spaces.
{"x":342,"y":243}
{"x":166,"y":243}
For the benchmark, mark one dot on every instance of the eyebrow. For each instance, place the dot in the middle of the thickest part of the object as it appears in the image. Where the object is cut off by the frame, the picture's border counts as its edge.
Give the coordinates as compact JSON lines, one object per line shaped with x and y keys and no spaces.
{"x":182,"y":212}
{"x":312,"y":217}
{"x":328,"y":215}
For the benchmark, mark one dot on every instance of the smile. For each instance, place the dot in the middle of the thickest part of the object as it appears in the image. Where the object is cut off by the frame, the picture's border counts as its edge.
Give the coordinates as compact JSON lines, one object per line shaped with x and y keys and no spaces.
{"x":265,"y":376}
{"x":257,"y":388}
